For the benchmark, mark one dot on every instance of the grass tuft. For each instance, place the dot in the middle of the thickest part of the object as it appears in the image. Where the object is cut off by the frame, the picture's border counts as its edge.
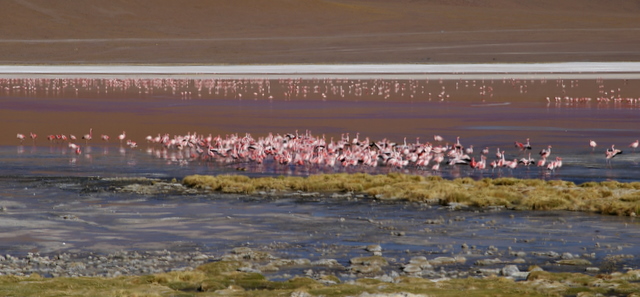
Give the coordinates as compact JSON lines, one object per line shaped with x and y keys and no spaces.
{"x":608,"y":197}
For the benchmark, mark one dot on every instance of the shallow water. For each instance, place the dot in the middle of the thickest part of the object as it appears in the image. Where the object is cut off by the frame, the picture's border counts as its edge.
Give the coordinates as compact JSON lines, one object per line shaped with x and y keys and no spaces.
{"x":47,"y":211}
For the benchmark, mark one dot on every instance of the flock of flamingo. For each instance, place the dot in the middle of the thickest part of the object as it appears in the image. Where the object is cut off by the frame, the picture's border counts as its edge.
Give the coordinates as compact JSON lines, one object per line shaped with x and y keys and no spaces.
{"x":321,"y":89}
{"x":306,"y":149}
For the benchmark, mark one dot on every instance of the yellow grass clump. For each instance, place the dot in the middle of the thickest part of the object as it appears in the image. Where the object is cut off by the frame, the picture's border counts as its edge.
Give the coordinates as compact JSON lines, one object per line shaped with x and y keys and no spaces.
{"x":608,"y":197}
{"x":223,"y":278}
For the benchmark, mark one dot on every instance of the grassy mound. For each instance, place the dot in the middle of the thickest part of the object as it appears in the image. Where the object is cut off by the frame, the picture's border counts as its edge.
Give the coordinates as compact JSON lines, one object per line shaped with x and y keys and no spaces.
{"x":607,"y":197}
{"x":222,"y":278}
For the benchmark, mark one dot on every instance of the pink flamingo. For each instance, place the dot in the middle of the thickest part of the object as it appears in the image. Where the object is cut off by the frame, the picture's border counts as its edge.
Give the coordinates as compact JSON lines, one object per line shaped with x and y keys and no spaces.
{"x":592,"y":144}
{"x":523,"y":146}
{"x":634,"y":145}
{"x":545,"y":152}
{"x":89,"y":136}
{"x":542,"y":161}
{"x":20,"y":137}
{"x":33,"y":136}
{"x":105,"y":137}
{"x":612,"y":152}
{"x":558,"y":162}
{"x":122,"y":136}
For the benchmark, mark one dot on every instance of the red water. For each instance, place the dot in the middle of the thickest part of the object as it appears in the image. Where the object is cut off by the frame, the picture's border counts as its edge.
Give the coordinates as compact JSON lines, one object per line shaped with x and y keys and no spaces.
{"x":483,"y":113}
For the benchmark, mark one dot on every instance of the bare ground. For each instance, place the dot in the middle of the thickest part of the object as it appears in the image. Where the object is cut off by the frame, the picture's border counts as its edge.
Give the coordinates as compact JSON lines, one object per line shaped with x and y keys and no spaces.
{"x":316,"y":31}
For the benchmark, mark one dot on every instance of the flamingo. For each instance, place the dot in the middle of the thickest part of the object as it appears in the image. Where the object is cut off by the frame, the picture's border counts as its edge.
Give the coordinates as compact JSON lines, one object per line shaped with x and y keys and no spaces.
{"x":545,"y":152}
{"x":122,"y":136}
{"x":482,"y":164}
{"x":527,"y":161}
{"x":558,"y":162}
{"x":523,"y":146}
{"x":511,"y":164}
{"x":438,"y":138}
{"x":634,"y":145}
{"x":105,"y":137}
{"x":89,"y":136}
{"x":33,"y":136}
{"x":551,"y":166}
{"x":469,"y":150}
{"x":20,"y":137}
{"x":612,"y":152}
{"x":592,"y":144}
{"x":542,"y":161}
{"x":458,"y":146}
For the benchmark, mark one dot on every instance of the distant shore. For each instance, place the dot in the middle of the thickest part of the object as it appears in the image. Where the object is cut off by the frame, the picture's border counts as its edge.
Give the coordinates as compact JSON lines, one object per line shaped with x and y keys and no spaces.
{"x":572,"y":70}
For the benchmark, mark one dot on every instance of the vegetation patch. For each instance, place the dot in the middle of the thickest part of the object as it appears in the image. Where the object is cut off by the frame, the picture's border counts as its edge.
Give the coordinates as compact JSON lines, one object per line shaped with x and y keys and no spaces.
{"x":608,"y":197}
{"x":220,"y":278}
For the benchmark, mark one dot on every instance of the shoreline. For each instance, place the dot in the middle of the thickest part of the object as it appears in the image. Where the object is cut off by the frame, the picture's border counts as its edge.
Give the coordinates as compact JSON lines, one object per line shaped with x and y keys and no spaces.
{"x":573,"y":70}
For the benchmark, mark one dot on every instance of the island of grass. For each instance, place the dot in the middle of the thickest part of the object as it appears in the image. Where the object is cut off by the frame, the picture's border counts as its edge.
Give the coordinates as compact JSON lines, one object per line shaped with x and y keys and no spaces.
{"x":607,"y":197}
{"x":224,"y":278}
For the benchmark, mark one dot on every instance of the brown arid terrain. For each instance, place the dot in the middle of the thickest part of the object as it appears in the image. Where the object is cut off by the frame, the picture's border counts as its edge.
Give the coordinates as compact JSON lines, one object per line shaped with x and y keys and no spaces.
{"x":317,"y":31}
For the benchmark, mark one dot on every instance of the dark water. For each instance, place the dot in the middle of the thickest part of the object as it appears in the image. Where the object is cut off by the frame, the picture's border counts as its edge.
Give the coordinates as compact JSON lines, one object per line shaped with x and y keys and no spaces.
{"x":491,"y":113}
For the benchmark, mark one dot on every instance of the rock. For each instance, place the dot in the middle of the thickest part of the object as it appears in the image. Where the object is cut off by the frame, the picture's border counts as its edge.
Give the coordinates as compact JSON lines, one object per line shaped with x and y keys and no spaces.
{"x":374,"y":248}
{"x":447,"y":260}
{"x":249,"y":270}
{"x":231,"y":290}
{"x":366,"y":269}
{"x":300,"y":294}
{"x":509,"y":270}
{"x":535,"y":268}
{"x":488,"y":272}
{"x":592,"y":269}
{"x":519,"y":261}
{"x":577,"y":262}
{"x":456,"y":206}
{"x":326,"y":262}
{"x":290,"y":262}
{"x":411,"y":268}
{"x":386,"y":278}
{"x":401,"y":294}
{"x":373,"y":260}
{"x":241,"y":250}
{"x":435,"y":221}
{"x":485,"y":262}
{"x":567,"y":256}
{"x":421,"y":261}
{"x":367,"y":264}
{"x":551,"y":254}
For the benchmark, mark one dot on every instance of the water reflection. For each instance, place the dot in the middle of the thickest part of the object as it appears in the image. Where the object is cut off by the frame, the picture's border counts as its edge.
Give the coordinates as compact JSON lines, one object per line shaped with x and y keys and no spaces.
{"x":491,"y":113}
{"x":557,"y":93}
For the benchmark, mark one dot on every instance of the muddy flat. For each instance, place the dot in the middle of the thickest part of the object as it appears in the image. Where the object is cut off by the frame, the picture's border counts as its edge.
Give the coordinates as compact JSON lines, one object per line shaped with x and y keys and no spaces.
{"x":318,"y":32}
